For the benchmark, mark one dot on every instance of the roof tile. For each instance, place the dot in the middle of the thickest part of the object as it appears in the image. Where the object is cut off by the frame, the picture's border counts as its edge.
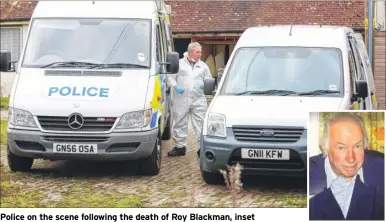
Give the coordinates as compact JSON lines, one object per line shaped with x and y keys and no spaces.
{"x":222,"y":16}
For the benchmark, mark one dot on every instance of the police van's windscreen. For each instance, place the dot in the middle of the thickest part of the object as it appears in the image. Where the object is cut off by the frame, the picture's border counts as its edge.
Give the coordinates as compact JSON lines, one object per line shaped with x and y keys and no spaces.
{"x":123,"y":43}
{"x":290,"y":71}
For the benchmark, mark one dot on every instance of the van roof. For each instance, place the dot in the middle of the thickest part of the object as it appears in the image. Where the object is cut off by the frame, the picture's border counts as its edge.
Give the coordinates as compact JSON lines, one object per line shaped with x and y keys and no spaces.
{"x":98,"y":9}
{"x":301,"y":35}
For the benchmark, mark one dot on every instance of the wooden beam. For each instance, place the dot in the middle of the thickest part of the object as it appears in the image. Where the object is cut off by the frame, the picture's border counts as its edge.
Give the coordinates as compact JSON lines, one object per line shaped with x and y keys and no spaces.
{"x":366,"y":36}
{"x":13,"y":23}
{"x":206,"y":35}
{"x":222,"y":42}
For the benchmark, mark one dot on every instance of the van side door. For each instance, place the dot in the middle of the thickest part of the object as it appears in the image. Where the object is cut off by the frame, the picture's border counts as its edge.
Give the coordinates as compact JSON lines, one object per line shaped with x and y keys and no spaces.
{"x":168,"y":45}
{"x":162,"y":51}
{"x":359,"y":74}
{"x":365,"y":61}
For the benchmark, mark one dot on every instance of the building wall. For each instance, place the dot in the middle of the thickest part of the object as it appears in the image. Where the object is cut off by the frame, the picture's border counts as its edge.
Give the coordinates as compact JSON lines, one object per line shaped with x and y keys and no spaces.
{"x":379,"y":65}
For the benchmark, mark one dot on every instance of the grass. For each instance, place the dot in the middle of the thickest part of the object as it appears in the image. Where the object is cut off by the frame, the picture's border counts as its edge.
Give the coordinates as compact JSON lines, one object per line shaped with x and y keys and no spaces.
{"x":4,"y":101}
{"x":294,"y":202}
{"x":3,"y":132}
{"x":14,"y":196}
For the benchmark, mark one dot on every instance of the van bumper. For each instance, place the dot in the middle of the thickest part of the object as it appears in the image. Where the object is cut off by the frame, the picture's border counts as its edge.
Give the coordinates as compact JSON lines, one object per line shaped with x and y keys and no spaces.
{"x":110,"y":147}
{"x":227,"y":151}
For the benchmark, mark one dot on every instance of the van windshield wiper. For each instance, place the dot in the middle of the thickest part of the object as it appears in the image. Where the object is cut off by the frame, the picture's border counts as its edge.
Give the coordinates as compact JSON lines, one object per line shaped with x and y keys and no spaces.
{"x":318,"y":92}
{"x":119,"y":65}
{"x":69,"y":64}
{"x":268,"y":92}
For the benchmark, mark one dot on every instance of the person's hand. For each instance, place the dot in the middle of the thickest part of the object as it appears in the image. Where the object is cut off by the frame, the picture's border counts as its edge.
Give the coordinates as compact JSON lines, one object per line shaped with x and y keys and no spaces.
{"x":179,"y":89}
{"x":202,"y":86}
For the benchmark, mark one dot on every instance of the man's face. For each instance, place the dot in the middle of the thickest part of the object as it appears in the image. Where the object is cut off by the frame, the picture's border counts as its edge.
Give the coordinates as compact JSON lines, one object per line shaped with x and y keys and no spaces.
{"x":195,"y":54}
{"x":346,"y":152}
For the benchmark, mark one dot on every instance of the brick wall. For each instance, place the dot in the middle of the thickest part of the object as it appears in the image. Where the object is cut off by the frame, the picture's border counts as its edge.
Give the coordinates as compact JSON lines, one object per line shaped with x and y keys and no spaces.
{"x":380,"y":67}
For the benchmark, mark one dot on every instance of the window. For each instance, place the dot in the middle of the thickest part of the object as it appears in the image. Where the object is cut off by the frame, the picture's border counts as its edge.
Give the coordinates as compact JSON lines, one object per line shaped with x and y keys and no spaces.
{"x":11,"y":41}
{"x":352,"y":71}
{"x":298,"y":69}
{"x":99,"y":41}
{"x":164,"y":40}
{"x":169,"y":37}
{"x":158,"y":44}
{"x":358,"y":61}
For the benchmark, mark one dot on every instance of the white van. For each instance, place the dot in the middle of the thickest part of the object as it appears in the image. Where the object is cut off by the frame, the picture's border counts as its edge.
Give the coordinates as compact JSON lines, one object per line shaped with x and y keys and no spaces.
{"x":275,"y":76}
{"x":91,"y":84}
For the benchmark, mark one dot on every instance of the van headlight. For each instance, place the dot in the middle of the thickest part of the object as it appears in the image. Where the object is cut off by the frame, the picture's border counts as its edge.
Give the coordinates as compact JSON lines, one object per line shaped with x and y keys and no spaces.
{"x":135,"y":119}
{"x":216,"y":125}
{"x":18,"y":117}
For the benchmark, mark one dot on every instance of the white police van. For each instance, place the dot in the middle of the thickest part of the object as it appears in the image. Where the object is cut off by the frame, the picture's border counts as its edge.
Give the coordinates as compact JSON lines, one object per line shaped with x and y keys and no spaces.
{"x":91,"y":84}
{"x":275,"y":76}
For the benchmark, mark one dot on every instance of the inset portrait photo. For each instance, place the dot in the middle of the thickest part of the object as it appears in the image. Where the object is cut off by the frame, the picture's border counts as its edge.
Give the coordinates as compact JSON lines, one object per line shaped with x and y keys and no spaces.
{"x":346,"y":165}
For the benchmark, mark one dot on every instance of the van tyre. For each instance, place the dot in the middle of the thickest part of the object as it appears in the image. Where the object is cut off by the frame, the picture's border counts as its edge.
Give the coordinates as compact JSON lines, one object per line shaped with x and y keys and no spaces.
{"x":152,"y":165}
{"x":212,"y":178}
{"x":167,"y":134}
{"x":18,"y":163}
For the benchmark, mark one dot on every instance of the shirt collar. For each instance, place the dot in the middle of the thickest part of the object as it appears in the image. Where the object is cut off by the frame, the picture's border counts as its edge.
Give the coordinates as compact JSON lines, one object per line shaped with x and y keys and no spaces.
{"x":331,"y":176}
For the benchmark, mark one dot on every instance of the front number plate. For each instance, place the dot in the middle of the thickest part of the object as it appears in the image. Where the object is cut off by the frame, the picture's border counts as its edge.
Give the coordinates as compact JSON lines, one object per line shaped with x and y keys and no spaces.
{"x":75,"y":148}
{"x":265,"y":154}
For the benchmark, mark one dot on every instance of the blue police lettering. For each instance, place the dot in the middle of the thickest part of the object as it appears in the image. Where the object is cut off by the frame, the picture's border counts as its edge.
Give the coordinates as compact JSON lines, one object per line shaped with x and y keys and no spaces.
{"x":75,"y":91}
{"x":104,"y":92}
{"x":89,"y":91}
{"x":65,"y":91}
{"x":53,"y":90}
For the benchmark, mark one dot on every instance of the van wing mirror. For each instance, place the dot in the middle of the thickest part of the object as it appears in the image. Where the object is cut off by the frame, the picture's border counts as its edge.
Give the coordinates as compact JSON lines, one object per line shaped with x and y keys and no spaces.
{"x":209,"y":86}
{"x":362,"y":88}
{"x":172,"y":63}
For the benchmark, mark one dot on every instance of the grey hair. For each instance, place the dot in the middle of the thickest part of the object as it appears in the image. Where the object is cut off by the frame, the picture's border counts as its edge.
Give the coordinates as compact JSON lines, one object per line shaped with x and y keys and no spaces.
{"x":342,"y":117}
{"x":193,"y":45}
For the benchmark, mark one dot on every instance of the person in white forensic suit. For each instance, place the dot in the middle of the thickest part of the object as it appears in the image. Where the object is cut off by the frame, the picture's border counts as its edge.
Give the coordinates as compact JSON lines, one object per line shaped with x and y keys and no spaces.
{"x":188,"y":97}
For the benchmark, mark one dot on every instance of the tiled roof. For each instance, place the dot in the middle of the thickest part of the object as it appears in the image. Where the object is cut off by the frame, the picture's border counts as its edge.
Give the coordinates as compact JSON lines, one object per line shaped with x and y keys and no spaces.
{"x":204,"y":16}
{"x":16,"y":10}
{"x":196,"y":16}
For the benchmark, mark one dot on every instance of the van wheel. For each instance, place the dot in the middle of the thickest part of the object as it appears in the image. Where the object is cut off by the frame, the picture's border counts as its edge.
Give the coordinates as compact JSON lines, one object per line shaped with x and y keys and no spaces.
{"x":152,"y":165}
{"x":167,"y":132}
{"x":212,"y":178}
{"x":18,"y":163}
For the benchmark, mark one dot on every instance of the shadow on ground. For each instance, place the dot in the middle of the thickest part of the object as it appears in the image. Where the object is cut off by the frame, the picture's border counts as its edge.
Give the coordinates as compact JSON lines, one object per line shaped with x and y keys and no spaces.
{"x":87,"y":169}
{"x":275,"y":182}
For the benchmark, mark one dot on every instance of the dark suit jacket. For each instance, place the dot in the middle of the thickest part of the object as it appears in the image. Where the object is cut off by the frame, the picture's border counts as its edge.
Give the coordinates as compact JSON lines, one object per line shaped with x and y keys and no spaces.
{"x":367,"y":202}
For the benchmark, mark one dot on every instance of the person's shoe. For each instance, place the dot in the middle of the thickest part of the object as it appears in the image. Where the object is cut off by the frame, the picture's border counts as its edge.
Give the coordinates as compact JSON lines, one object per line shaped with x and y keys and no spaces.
{"x":177,"y":151}
{"x":198,"y":153}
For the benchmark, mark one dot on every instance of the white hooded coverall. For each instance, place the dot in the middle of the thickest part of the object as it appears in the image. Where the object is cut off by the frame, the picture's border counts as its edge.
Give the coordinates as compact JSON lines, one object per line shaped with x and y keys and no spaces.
{"x":192,"y":101}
